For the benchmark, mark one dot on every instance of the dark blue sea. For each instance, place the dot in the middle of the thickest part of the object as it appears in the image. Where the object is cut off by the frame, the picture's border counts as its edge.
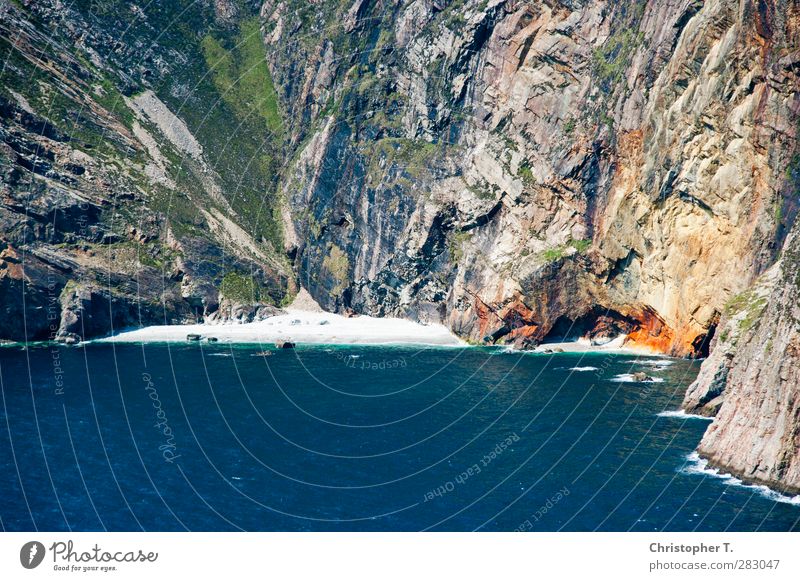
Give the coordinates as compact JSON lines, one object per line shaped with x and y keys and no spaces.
{"x":215,"y":437}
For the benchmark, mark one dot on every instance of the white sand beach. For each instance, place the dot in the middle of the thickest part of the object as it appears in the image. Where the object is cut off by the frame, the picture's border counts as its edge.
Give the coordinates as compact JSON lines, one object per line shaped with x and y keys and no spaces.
{"x":617,"y":345}
{"x":305,"y":322}
{"x":300,"y":327}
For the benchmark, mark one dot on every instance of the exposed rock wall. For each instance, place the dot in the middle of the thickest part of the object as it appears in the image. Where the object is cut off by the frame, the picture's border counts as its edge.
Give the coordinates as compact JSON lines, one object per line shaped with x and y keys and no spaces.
{"x":756,"y":432}
{"x":750,"y":382}
{"x":741,"y":314}
{"x":504,"y":167}
{"x":116,"y":207}
{"x":533,"y":162}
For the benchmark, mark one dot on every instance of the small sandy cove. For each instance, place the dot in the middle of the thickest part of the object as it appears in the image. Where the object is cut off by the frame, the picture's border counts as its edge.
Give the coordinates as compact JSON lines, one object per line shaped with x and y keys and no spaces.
{"x":300,"y":327}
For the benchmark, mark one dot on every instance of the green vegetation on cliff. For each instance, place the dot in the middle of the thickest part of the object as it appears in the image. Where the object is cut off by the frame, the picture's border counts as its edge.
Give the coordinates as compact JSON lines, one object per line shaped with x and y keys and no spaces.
{"x":748,"y":307}
{"x":243,"y":288}
{"x":556,"y":253}
{"x":242,"y":77}
{"x":338,"y":265}
{"x":612,"y":59}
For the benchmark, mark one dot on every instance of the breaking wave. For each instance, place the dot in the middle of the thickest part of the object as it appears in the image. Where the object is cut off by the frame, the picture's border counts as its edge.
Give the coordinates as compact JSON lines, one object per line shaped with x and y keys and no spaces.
{"x":697,"y":465}
{"x":683,"y":415}
{"x":629,"y":378}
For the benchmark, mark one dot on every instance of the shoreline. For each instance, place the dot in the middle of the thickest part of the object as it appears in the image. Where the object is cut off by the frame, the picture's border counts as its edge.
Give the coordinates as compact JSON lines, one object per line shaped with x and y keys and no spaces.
{"x":697,"y":463}
{"x":582,"y":345}
{"x":321,"y":328}
{"x":297,"y":327}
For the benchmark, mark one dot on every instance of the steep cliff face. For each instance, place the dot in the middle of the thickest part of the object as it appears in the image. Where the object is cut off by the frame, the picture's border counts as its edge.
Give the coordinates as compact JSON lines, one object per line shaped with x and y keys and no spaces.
{"x":740,"y":316}
{"x":518,"y":170}
{"x":719,"y":131}
{"x":512,"y":169}
{"x":753,"y":388}
{"x":124,"y":199}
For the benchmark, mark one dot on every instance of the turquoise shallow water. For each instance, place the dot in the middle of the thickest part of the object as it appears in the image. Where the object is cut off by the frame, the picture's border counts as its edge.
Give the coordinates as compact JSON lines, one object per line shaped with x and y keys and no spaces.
{"x":214,"y":437}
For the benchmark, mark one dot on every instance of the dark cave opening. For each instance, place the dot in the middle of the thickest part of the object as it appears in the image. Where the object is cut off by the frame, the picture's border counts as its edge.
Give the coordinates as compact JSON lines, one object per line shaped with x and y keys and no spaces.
{"x":599,"y":325}
{"x":701,"y":346}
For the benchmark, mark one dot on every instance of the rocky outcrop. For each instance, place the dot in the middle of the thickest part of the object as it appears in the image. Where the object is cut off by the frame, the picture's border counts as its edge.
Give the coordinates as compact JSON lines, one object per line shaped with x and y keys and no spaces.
{"x":26,"y":315}
{"x":749,"y":383}
{"x":234,"y":312}
{"x":740,"y":316}
{"x":115,"y":210}
{"x":756,"y":432}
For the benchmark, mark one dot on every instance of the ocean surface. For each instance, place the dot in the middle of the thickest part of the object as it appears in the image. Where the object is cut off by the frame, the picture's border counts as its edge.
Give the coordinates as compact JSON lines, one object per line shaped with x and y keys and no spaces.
{"x":219,"y":437}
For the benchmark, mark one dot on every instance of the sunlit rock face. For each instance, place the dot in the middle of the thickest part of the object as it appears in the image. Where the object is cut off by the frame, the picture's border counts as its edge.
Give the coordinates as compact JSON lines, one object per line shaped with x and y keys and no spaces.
{"x":752,"y":382}
{"x":503,"y":166}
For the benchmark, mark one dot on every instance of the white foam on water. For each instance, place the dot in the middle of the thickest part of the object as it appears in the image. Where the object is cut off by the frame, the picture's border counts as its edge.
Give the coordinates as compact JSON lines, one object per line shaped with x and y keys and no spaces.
{"x":657,"y":362}
{"x":697,"y":465}
{"x":506,"y":349}
{"x":683,"y":415}
{"x":584,"y":345}
{"x":586,"y":368}
{"x":629,"y":378}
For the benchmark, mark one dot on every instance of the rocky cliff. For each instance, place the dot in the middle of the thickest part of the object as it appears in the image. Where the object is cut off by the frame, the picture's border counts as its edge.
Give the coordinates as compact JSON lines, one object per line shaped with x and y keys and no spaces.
{"x":751,"y":382}
{"x":125,"y":200}
{"x":517,"y":170}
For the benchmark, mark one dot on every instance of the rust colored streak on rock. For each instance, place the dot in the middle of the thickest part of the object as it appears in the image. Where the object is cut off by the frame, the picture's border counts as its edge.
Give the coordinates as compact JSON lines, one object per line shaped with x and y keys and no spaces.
{"x":526,"y":334}
{"x":651,"y":331}
{"x":521,"y":320}
{"x":486,"y":317}
{"x":10,"y":264}
{"x":517,"y":314}
{"x":764,"y":19}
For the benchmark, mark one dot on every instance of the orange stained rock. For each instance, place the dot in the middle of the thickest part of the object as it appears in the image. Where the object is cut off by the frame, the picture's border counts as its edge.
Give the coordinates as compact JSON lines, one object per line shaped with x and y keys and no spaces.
{"x":653,"y":333}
